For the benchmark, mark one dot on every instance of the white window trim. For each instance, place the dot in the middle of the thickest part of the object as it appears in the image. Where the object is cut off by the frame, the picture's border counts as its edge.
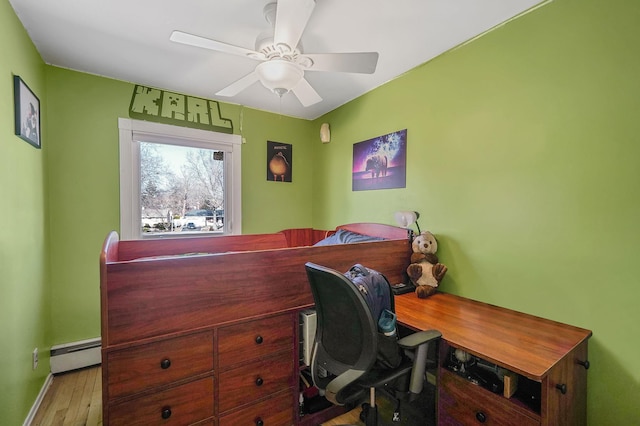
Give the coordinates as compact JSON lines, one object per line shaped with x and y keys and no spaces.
{"x":130,"y":173}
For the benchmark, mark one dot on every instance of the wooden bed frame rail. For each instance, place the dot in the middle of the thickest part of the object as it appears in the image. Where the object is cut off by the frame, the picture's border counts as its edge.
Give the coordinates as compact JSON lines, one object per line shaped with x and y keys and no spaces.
{"x":204,"y":281}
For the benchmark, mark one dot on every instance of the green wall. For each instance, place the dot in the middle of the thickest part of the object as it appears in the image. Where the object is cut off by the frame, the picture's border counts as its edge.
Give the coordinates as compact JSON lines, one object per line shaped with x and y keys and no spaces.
{"x":83,"y":175}
{"x":524,"y":160}
{"x":24,"y":295}
{"x":84,"y":186}
{"x":269,"y":206}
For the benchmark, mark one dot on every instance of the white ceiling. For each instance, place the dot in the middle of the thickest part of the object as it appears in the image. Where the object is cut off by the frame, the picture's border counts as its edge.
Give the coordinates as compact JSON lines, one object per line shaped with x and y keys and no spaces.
{"x":129,"y":40}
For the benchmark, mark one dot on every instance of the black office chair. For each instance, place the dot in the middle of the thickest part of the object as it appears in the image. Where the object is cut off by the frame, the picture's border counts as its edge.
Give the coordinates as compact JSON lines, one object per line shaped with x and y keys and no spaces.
{"x":345,"y":351}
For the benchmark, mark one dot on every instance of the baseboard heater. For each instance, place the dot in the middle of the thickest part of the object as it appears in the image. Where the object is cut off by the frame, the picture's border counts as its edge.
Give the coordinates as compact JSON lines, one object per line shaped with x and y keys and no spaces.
{"x":72,"y":356}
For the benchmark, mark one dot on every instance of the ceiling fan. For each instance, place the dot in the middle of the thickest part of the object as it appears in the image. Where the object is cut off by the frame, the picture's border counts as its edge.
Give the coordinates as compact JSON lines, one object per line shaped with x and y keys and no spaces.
{"x":282,"y":61}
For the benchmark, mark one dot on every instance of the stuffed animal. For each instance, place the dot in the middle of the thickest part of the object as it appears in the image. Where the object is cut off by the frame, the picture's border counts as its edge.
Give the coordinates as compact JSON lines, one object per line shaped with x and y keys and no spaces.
{"x":425,"y":271}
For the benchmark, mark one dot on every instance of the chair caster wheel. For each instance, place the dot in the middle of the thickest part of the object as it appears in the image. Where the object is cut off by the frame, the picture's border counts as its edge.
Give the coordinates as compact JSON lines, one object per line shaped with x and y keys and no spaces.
{"x":369,"y":415}
{"x":364,"y":412}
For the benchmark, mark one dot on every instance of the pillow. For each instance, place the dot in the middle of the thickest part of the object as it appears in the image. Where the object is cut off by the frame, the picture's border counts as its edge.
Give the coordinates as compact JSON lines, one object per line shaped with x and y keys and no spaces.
{"x":345,"y":237}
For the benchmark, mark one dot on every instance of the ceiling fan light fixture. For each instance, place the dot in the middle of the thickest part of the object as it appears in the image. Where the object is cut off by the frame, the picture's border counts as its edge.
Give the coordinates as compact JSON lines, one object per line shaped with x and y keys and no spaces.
{"x":279,"y":76}
{"x":279,"y":50}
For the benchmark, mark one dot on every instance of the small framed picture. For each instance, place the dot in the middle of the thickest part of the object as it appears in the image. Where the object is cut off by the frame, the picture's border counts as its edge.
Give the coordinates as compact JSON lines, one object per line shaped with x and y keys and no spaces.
{"x":27,"y":111}
{"x":279,"y":161}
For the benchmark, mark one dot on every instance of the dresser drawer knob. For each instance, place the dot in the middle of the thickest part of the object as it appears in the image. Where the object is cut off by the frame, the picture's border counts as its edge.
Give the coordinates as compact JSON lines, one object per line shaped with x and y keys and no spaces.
{"x":165,"y":363}
{"x":562,"y":388}
{"x":259,"y":381}
{"x":259,"y":422}
{"x":481,"y":417}
{"x":586,"y":364}
{"x":166,"y":412}
{"x":259,"y":339}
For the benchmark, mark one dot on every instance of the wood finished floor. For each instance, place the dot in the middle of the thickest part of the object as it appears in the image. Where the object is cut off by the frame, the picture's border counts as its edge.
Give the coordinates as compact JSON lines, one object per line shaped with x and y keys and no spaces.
{"x":350,"y":418}
{"x":75,"y":399}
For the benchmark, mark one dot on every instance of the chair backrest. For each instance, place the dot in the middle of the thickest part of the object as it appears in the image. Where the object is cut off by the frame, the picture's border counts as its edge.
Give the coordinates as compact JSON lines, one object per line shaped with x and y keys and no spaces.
{"x":346,"y":332}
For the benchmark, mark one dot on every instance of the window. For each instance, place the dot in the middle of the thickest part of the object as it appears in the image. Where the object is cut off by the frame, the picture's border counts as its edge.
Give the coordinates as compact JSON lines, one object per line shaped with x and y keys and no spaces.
{"x":177,"y":181}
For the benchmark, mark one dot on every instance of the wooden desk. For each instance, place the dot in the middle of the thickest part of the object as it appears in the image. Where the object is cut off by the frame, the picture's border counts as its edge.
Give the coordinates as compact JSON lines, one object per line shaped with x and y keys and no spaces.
{"x":548,"y":353}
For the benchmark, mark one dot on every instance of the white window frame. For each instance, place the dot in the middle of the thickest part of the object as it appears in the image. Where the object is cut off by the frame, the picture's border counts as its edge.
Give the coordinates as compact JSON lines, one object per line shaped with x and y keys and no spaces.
{"x":133,"y":130}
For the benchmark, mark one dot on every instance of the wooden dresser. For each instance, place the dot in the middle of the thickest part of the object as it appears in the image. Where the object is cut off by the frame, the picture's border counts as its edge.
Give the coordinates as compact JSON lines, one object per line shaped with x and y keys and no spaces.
{"x":547,"y":362}
{"x":172,"y":380}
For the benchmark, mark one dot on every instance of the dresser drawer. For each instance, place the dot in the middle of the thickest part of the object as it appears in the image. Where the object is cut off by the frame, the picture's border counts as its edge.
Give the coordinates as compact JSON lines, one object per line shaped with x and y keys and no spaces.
{"x":242,"y":342}
{"x":182,"y":405}
{"x":134,"y":369}
{"x":461,"y":402}
{"x":255,"y":380}
{"x":277,"y":411}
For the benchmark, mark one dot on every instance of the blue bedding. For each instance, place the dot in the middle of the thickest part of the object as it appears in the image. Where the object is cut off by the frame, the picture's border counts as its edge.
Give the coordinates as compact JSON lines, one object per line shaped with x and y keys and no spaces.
{"x":345,"y":237}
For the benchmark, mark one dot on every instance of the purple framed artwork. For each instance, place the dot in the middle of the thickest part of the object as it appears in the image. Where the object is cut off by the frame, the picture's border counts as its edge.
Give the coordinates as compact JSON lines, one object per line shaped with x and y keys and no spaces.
{"x":380,"y":163}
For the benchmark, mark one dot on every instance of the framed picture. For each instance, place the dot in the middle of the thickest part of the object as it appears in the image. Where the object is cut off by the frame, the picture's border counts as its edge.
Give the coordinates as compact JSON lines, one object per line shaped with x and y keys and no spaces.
{"x":279,"y":161}
{"x":380,"y":163}
{"x":27,"y":111}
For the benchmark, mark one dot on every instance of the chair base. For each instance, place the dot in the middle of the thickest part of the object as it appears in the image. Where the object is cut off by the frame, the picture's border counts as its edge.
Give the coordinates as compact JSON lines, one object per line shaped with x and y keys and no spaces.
{"x":369,"y":414}
{"x":414,"y":409}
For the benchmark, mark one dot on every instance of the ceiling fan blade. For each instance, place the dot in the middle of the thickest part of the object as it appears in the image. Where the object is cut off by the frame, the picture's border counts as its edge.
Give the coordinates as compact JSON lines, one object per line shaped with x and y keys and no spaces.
{"x":305,"y":93}
{"x":239,"y":85}
{"x":291,"y":19}
{"x":358,"y":62}
{"x":206,"y":43}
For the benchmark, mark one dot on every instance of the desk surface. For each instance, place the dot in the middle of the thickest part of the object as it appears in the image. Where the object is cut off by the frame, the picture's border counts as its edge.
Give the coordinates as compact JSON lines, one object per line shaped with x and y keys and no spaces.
{"x":522,"y":343}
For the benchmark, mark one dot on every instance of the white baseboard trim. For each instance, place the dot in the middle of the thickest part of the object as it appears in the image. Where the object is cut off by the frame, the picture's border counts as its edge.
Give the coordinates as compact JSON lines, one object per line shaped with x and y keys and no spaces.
{"x":38,"y":401}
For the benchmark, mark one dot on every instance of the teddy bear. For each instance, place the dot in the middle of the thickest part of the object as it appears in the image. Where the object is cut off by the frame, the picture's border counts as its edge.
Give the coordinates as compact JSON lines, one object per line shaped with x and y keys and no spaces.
{"x":425,"y":271}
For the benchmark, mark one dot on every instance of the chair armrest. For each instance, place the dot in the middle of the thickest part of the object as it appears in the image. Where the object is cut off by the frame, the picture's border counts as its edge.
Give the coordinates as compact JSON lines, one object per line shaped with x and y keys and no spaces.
{"x":418,"y":342}
{"x":339,"y":383}
{"x":414,"y":340}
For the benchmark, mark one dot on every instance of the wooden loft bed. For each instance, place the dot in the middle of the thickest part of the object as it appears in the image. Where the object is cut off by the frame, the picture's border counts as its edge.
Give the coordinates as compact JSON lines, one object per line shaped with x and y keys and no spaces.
{"x":206,"y":329}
